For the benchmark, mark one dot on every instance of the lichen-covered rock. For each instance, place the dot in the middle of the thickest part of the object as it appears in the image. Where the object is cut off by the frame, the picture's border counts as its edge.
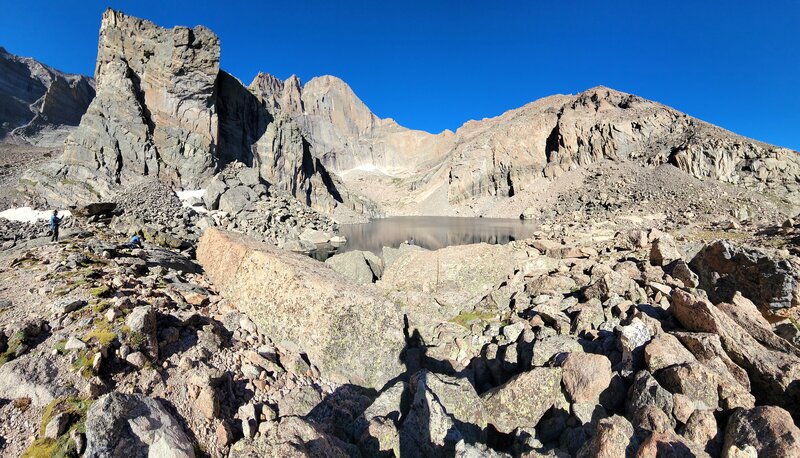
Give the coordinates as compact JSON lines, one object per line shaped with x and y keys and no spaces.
{"x":353,"y":265}
{"x":725,"y":268}
{"x":292,"y":437}
{"x":36,"y":377}
{"x":769,"y":430}
{"x":613,"y":438}
{"x":444,"y":411}
{"x":302,"y":304}
{"x":773,"y":372}
{"x":522,"y":401}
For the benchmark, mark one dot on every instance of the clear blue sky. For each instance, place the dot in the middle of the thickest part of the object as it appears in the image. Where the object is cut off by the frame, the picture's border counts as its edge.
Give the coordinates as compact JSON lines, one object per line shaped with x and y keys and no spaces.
{"x":432,"y":64}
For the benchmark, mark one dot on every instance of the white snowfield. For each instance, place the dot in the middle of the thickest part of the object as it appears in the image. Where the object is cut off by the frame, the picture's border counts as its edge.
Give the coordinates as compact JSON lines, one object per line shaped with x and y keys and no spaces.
{"x":185,"y":196}
{"x":29,"y":215}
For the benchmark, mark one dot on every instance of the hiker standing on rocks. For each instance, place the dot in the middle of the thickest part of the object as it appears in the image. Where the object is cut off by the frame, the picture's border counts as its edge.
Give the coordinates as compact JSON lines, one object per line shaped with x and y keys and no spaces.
{"x":55,"y":222}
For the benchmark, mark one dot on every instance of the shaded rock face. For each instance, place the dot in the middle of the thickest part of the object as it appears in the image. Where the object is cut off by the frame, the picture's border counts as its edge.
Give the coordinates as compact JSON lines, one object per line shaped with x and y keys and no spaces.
{"x":271,"y":142}
{"x":303,"y":305}
{"x":724,"y":268}
{"x":523,"y":400}
{"x":38,"y":104}
{"x":768,"y":429}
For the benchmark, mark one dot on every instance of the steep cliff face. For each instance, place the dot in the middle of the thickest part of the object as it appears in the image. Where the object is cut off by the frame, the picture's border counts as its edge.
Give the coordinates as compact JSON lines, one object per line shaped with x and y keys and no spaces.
{"x":155,"y":111}
{"x":344,"y":133}
{"x":512,"y":153}
{"x":38,"y":104}
{"x":164,"y":109}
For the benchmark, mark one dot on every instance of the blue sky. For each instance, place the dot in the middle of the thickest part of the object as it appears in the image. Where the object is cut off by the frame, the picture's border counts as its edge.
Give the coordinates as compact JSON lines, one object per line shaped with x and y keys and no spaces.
{"x":433,"y":65}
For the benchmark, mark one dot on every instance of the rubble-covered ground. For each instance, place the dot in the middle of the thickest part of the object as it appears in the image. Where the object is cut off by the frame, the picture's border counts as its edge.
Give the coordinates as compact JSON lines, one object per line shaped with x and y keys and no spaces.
{"x":587,"y":340}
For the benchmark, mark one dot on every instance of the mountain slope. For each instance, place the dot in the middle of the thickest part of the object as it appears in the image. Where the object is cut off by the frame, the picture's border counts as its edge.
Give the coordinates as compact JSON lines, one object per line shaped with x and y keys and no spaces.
{"x":413,"y":172}
{"x":39,"y":104}
{"x":556,"y":134}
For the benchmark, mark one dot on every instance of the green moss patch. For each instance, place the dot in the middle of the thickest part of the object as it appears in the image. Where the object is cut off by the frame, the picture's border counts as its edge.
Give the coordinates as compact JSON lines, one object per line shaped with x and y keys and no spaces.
{"x":100,"y":291}
{"x":63,"y":446}
{"x":466,"y":319}
{"x":14,"y":342}
{"x":102,"y":333}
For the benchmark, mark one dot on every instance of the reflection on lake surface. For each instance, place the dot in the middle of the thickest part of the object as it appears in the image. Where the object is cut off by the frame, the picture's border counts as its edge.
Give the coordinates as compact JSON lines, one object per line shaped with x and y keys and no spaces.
{"x":432,"y":232}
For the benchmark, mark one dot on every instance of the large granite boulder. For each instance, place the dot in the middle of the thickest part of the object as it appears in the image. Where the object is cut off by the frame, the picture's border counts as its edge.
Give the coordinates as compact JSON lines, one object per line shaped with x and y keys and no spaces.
{"x":354,"y":265}
{"x":444,"y":411}
{"x":456,"y":275}
{"x":522,"y":401}
{"x":773,"y":371}
{"x":725,"y":268}
{"x":350,"y":332}
{"x":133,"y":426}
{"x":292,"y":437}
{"x":767,"y":429}
{"x":38,"y":377}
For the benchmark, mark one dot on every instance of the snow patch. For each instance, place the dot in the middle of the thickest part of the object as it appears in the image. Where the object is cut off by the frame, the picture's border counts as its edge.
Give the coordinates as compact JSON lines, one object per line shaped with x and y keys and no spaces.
{"x":195,"y":193}
{"x":29,"y":215}
{"x":187,"y":196}
{"x":365,"y":168}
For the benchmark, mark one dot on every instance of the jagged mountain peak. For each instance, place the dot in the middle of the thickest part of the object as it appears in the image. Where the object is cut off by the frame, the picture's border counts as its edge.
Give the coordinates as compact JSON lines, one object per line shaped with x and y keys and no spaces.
{"x":40,"y":105}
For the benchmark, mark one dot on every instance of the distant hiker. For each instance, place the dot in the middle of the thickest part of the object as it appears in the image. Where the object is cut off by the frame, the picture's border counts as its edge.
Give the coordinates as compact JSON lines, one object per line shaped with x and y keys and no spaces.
{"x":136,"y":242}
{"x":55,"y":222}
{"x":412,"y":242}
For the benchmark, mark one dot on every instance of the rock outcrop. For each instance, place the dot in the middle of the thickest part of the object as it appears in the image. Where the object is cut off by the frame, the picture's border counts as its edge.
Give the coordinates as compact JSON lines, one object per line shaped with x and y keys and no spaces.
{"x":456,"y":275}
{"x":164,"y":109}
{"x":155,"y":112}
{"x":305,"y":306}
{"x":504,"y":155}
{"x":725,"y":268}
{"x":39,"y":104}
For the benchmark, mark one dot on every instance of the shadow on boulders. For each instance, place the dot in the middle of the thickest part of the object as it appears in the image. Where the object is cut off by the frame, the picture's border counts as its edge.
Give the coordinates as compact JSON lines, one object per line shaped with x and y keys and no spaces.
{"x":172,"y":410}
{"x":415,"y":426}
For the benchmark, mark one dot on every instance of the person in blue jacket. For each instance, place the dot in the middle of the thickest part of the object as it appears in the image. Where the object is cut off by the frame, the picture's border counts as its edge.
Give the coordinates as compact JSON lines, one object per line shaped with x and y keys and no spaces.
{"x":136,"y":241}
{"x":55,"y":222}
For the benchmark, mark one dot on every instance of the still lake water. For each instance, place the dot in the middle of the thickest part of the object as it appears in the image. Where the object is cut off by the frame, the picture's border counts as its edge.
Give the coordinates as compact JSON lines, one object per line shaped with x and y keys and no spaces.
{"x":432,"y":232}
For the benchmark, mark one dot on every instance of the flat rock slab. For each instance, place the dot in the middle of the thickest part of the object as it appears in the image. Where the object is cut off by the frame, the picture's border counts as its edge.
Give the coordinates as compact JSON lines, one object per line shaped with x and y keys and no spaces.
{"x":349,"y":331}
{"x":457,"y":274}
